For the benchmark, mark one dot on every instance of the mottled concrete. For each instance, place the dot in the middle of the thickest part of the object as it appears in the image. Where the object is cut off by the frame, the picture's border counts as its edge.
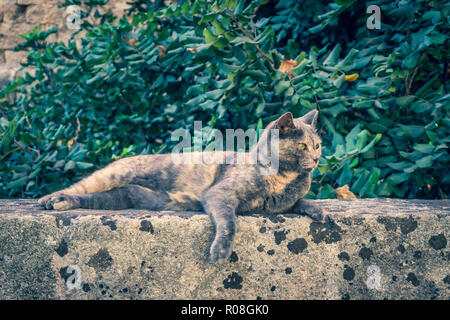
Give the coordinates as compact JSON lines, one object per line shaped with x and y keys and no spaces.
{"x":367,"y":249}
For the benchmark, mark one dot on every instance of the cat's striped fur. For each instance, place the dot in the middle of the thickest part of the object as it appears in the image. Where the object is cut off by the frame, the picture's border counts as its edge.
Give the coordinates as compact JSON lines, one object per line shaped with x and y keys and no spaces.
{"x":155,"y":182}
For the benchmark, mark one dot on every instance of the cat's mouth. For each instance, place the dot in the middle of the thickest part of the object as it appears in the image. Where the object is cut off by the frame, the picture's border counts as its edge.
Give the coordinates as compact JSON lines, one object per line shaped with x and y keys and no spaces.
{"x":308,"y":167}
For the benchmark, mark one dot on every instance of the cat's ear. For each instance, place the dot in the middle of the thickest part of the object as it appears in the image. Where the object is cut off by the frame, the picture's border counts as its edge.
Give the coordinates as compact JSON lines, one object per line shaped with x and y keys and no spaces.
{"x":285,"y":122}
{"x":310,"y":118}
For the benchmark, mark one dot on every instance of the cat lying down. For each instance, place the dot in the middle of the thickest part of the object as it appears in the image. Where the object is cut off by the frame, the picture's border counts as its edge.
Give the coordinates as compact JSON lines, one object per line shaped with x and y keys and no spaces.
{"x":223,"y":189}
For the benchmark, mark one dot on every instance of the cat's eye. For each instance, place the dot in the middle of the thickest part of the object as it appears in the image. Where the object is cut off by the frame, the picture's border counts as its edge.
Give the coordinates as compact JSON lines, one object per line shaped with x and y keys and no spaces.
{"x":317,"y":146}
{"x":302,"y":146}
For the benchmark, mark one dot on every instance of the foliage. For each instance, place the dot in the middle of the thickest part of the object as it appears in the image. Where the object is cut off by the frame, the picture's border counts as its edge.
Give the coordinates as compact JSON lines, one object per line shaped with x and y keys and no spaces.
{"x":128,"y":83}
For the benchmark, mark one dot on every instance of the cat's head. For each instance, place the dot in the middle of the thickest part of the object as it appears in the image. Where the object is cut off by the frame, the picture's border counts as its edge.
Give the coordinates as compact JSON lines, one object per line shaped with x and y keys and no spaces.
{"x":300,"y":146}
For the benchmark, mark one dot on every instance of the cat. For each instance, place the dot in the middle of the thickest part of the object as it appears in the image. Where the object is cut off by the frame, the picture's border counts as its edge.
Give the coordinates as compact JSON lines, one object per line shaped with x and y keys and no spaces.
{"x":155,"y":182}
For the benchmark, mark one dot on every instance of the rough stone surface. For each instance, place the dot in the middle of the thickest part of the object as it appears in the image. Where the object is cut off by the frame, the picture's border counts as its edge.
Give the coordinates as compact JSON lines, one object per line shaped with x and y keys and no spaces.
{"x":366,"y":249}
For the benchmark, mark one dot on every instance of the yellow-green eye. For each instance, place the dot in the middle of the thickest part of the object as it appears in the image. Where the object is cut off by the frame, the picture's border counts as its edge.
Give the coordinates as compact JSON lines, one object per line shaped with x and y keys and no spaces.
{"x":302,"y":146}
{"x":317,"y":146}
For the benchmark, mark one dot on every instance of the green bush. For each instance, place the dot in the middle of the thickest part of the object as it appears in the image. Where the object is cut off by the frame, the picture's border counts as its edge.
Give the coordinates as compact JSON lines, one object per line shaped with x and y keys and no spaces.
{"x":130,"y":82}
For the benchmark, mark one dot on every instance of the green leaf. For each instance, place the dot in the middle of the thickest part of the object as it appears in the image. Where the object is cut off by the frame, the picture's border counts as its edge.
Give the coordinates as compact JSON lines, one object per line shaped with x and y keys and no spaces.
{"x":351,"y":140}
{"x":69,"y":165}
{"x":326,"y":192}
{"x":83,"y":165}
{"x":432,"y":15}
{"x":345,"y":3}
{"x":338,"y":155}
{"x":17,"y":183}
{"x":354,"y":162}
{"x":404,"y":101}
{"x":281,"y":86}
{"x":334,"y":111}
{"x":339,"y":81}
{"x":345,"y":177}
{"x":371,"y":183}
{"x":385,"y":189}
{"x":317,"y":28}
{"x":410,"y":131}
{"x":361,"y":139}
{"x":348,"y":58}
{"x":399,"y":166}
{"x":363,"y":104}
{"x":424,"y":148}
{"x":437,"y":38}
{"x":208,"y":105}
{"x":411,"y":60}
{"x":425,"y":162}
{"x":214,"y":94}
{"x":242,"y":40}
{"x":220,"y":43}
{"x":276,"y":59}
{"x":371,"y":144}
{"x":209,"y":36}
{"x":369,"y":89}
{"x":240,"y":7}
{"x":333,"y":56}
{"x":195,"y":101}
{"x":59,"y":164}
{"x":359,"y":183}
{"x":398,"y":178}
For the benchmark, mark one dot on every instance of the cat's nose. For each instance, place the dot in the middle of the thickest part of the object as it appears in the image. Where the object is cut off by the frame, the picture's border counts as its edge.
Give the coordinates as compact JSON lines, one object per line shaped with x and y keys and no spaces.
{"x":316,"y":160}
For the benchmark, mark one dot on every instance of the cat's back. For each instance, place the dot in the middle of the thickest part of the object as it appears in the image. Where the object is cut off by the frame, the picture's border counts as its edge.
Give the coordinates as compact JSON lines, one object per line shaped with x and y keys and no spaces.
{"x":174,"y":172}
{"x":182,"y":180}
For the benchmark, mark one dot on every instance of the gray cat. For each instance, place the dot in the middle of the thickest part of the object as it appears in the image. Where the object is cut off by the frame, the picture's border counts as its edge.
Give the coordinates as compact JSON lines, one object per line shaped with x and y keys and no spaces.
{"x":155,"y":182}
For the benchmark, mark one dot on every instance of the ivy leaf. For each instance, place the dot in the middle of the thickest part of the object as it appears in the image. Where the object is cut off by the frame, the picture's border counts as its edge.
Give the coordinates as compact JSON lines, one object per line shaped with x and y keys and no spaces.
{"x":411,"y":60}
{"x":346,"y":176}
{"x":371,"y":144}
{"x":425,"y":162}
{"x":209,"y":36}
{"x":333,"y":56}
{"x":280,"y":87}
{"x":326,"y":192}
{"x":424,"y":148}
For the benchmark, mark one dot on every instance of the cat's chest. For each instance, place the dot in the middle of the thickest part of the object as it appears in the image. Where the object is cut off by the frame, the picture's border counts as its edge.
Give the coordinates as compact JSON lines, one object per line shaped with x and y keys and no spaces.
{"x":280,"y":193}
{"x":278,"y":183}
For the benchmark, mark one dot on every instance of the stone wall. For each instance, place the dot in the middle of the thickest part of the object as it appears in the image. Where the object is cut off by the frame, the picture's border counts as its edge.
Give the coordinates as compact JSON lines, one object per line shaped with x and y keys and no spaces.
{"x":366,"y":249}
{"x":20,"y":16}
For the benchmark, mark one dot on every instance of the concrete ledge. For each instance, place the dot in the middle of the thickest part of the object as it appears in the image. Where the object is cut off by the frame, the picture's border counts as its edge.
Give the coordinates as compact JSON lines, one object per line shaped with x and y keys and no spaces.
{"x":368,"y":249}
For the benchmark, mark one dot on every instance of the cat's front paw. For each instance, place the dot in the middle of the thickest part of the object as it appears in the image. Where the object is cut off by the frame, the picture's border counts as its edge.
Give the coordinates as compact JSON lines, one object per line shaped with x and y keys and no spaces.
{"x":59,"y":202}
{"x":311,"y":210}
{"x":220,"y":250}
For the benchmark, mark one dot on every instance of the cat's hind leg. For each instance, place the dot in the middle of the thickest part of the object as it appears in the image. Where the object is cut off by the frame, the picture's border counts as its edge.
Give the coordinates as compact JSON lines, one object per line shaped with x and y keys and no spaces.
{"x":126,"y":197}
{"x":115,"y":175}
